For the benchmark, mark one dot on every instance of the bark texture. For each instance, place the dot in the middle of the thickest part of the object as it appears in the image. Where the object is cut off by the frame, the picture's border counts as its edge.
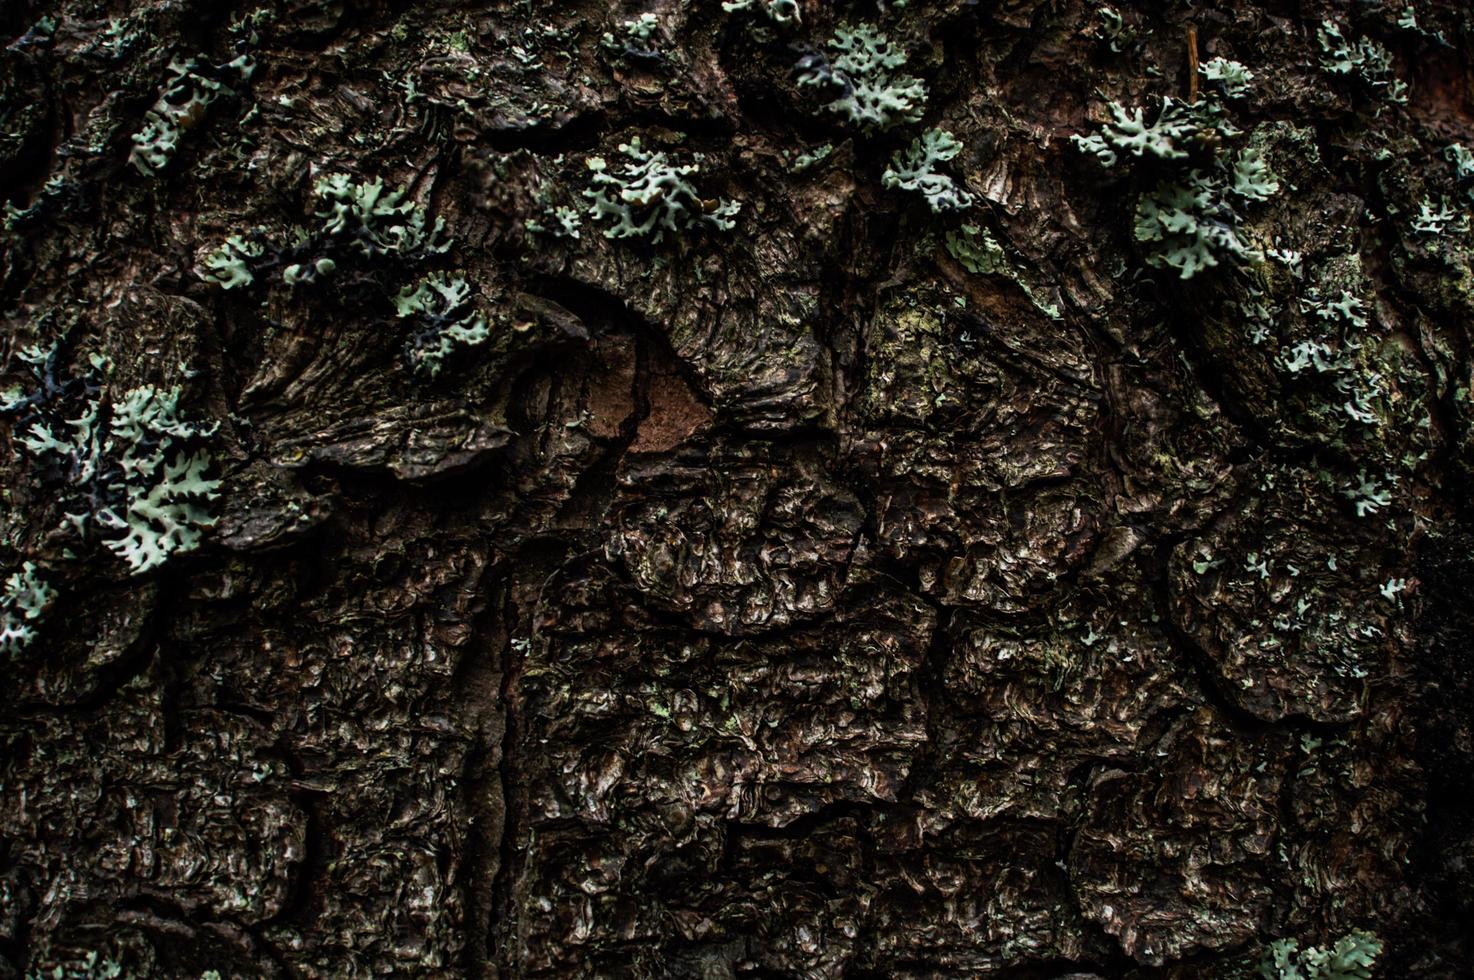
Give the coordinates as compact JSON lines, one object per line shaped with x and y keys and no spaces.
{"x":860,"y":590}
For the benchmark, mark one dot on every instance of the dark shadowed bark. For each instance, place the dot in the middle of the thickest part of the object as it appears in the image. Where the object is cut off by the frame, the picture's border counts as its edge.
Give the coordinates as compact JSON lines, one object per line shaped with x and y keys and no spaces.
{"x":819,"y":489}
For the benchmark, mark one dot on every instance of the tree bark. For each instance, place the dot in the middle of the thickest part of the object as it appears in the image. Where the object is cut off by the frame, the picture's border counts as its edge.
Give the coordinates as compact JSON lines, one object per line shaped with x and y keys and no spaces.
{"x":753,"y":551}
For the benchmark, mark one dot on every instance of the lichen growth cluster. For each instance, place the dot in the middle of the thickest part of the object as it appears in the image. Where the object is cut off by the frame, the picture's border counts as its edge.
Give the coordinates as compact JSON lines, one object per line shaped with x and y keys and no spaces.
{"x":1351,"y":958}
{"x":181,"y":105}
{"x":361,"y":216}
{"x":650,"y":196}
{"x":443,"y":309}
{"x":1189,"y":220}
{"x":229,"y":266}
{"x":778,"y":11}
{"x":357,"y":220}
{"x":1364,"y":59}
{"x":915,"y":169}
{"x":24,"y":600}
{"x":633,"y":39}
{"x":1229,"y":76}
{"x":864,"y":71}
{"x":129,"y":471}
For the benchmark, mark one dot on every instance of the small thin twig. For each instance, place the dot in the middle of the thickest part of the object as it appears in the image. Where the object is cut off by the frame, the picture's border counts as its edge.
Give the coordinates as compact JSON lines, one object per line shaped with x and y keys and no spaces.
{"x":1192,"y":64}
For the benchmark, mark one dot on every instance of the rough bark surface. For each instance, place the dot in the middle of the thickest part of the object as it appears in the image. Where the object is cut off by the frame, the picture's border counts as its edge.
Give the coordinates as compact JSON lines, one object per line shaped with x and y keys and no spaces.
{"x":861,"y":590}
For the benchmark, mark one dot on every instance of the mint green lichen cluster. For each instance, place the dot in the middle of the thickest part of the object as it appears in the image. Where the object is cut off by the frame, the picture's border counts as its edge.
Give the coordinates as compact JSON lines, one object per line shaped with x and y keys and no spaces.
{"x":131,"y":471}
{"x":229,"y":266}
{"x":361,"y":220}
{"x":915,"y":169}
{"x":778,"y":11}
{"x":650,"y":195}
{"x":1435,"y":218}
{"x":1189,"y":221}
{"x":560,"y":221}
{"x":1111,"y":27}
{"x":1338,"y":352}
{"x":363,"y":217}
{"x":977,"y":250}
{"x":874,"y":94}
{"x":1351,"y":958}
{"x":1190,"y":224}
{"x":1364,"y":59}
{"x":1128,"y":133}
{"x":25,"y":599}
{"x":1369,"y":494}
{"x":181,"y":105}
{"x":443,"y":307}
{"x":167,"y":486}
{"x":634,"y":36}
{"x":1458,"y":154}
{"x":355,"y":219}
{"x":1231,"y":77}
{"x":1408,"y":21}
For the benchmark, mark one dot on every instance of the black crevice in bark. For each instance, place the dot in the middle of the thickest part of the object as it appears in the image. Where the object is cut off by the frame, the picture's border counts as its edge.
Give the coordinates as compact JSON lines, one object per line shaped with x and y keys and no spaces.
{"x":596,"y":306}
{"x":1072,"y":817}
{"x":1206,"y":370}
{"x":260,"y":716}
{"x":595,"y":488}
{"x":585,"y":131}
{"x":931,"y":684}
{"x":478,"y":685}
{"x":302,"y":899}
{"x":1444,"y":685}
{"x":802,"y":827}
{"x":539,"y":561}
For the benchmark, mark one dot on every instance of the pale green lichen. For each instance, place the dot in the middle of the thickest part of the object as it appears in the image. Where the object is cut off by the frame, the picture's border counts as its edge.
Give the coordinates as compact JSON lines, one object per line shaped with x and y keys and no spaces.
{"x":1128,"y":132}
{"x":633,"y":37}
{"x":366,"y":218}
{"x":356,"y":218}
{"x":1112,"y":27}
{"x":443,"y":308}
{"x":818,"y":155}
{"x":130,"y":469}
{"x":1462,"y":159}
{"x":182,"y":102}
{"x":229,"y":266}
{"x":1364,"y":59}
{"x":1433,"y":219}
{"x":300,"y":272}
{"x":1252,"y":178}
{"x":1338,"y":354}
{"x":873,"y":94}
{"x":1369,"y":494}
{"x":778,"y":11}
{"x":1188,"y":222}
{"x":1232,"y":77}
{"x":25,"y":599}
{"x":650,"y":196}
{"x":1351,"y":958}
{"x":915,"y":169}
{"x":168,"y":488}
{"x":977,"y":250}
{"x":562,"y":222}
{"x":1408,"y":21}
